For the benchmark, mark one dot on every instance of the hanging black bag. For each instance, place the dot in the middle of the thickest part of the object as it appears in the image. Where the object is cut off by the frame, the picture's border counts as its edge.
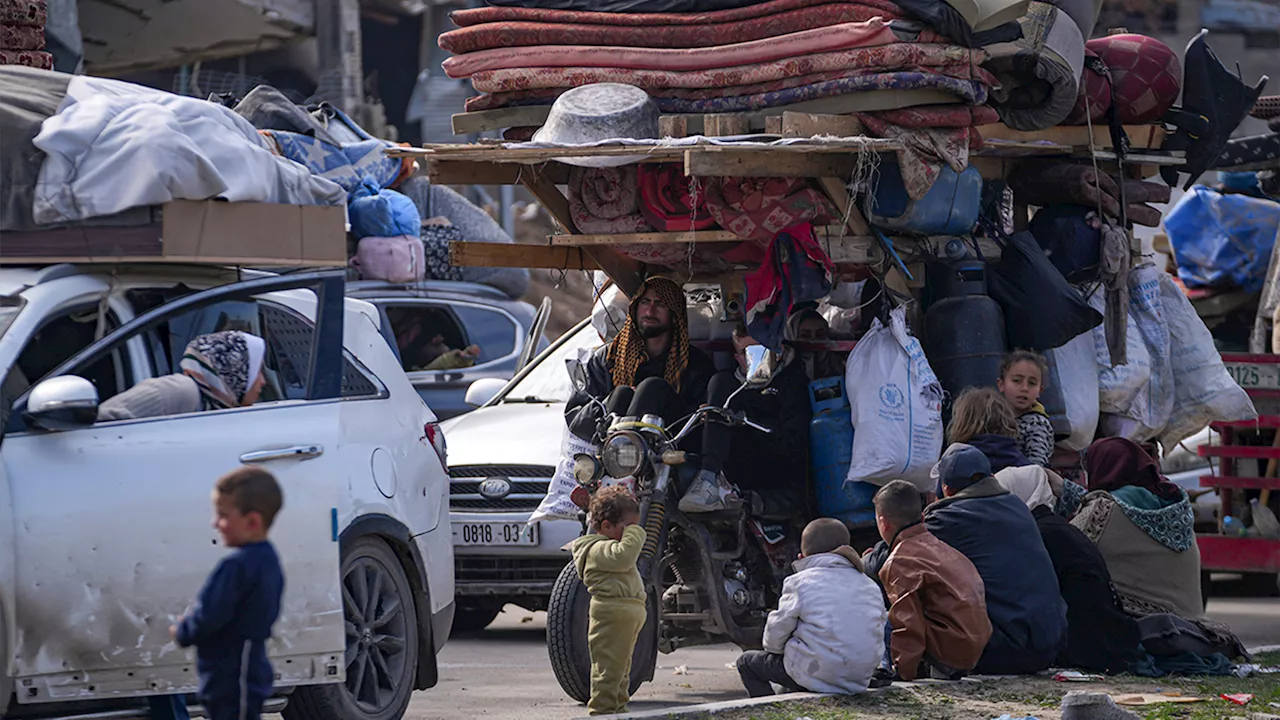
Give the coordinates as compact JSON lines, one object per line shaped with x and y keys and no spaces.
{"x":1042,"y":310}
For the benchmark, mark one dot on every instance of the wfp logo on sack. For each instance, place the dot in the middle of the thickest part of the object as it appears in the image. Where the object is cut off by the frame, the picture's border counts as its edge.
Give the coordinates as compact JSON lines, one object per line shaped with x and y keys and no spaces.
{"x":891,"y":397}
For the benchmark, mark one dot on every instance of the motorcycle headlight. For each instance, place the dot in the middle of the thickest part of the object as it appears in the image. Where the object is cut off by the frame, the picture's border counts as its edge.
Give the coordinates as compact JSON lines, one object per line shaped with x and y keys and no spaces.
{"x":623,"y":455}
{"x":586,"y":469}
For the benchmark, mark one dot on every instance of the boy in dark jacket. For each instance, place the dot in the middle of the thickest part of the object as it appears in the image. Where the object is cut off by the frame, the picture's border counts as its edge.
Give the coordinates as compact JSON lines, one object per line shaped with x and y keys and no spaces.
{"x":994,"y":529}
{"x":240,"y":601}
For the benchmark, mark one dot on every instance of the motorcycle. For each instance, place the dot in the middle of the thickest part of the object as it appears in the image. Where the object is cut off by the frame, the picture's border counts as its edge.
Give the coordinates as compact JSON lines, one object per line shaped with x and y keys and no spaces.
{"x":709,"y":577}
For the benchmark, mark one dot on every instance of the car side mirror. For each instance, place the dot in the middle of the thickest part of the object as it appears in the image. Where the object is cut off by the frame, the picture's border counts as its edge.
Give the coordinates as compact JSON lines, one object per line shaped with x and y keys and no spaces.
{"x":63,"y":403}
{"x":483,"y":390}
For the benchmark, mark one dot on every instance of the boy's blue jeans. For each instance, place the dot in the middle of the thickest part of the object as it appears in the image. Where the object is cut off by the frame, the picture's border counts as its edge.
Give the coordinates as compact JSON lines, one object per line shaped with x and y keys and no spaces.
{"x":887,"y":662}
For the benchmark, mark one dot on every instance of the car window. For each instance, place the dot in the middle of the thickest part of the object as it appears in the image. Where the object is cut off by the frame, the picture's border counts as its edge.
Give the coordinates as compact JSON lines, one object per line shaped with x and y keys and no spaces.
{"x":425,"y":333}
{"x":547,"y":380}
{"x":288,"y":335}
{"x":61,"y":337}
{"x":492,"y":331}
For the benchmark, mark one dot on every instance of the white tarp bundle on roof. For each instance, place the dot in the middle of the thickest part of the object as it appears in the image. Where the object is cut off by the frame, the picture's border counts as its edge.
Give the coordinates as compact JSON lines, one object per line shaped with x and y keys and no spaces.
{"x":114,"y":145}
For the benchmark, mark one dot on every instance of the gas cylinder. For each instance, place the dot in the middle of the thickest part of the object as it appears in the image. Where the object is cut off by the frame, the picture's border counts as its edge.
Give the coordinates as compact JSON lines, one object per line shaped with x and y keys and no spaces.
{"x":830,"y":452}
{"x":965,"y":330}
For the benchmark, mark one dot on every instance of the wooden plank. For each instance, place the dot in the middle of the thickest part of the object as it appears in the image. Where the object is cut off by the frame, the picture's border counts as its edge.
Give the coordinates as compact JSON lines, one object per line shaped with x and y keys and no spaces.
{"x":1226,"y":554}
{"x":1246,"y":483}
{"x":483,"y":254}
{"x":699,"y":162}
{"x":673,"y":126}
{"x":467,"y":123}
{"x":725,"y":124}
{"x":700,"y":236}
{"x":1141,"y":137}
{"x":804,"y":125}
{"x":837,"y":190}
{"x":478,"y":172}
{"x":851,"y":250}
{"x":548,"y":193}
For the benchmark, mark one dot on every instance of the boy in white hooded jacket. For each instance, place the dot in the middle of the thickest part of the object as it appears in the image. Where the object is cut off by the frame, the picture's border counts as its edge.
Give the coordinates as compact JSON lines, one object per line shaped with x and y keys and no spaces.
{"x":827,"y":634}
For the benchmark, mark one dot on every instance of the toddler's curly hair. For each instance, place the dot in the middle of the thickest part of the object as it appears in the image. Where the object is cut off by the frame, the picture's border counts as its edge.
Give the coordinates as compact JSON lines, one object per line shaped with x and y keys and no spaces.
{"x":612,"y":504}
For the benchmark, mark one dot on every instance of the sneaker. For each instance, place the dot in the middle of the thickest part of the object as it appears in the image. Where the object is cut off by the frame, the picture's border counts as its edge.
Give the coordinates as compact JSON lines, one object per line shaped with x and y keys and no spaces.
{"x":704,"y":495}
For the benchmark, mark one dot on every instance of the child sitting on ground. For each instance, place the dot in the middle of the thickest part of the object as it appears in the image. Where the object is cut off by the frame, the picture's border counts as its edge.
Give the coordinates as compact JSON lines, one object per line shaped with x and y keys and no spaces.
{"x":827,"y":634}
{"x":939,"y":609}
{"x":606,"y":562}
{"x":240,"y":601}
{"x":1021,"y":380}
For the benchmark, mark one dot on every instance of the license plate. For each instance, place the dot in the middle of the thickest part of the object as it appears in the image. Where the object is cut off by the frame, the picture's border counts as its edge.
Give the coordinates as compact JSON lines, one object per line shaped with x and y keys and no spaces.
{"x":495,"y":534}
{"x":1248,"y":375}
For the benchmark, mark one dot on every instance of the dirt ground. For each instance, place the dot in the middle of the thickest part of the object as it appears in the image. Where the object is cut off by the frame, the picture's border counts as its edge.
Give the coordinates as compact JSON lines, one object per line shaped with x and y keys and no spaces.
{"x":1037,"y":697}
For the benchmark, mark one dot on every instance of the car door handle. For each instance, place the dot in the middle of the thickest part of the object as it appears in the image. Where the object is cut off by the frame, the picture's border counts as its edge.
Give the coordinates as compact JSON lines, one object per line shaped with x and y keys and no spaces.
{"x":298,"y":452}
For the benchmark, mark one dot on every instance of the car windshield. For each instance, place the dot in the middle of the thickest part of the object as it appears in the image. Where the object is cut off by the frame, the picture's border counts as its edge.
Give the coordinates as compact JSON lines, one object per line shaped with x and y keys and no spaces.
{"x":547,"y":380}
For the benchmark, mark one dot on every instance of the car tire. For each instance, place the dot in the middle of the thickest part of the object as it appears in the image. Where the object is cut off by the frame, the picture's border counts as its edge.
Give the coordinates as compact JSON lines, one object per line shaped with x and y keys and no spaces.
{"x":567,"y":621}
{"x":382,"y":642}
{"x":474,"y":617}
{"x":1262,"y":584}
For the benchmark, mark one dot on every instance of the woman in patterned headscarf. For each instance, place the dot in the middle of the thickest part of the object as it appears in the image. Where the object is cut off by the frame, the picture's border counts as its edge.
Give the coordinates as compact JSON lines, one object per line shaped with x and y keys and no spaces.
{"x":219,"y":371}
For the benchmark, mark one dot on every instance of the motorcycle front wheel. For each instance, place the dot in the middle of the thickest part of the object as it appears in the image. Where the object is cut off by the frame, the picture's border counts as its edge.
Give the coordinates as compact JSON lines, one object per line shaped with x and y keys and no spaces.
{"x":567,"y":620}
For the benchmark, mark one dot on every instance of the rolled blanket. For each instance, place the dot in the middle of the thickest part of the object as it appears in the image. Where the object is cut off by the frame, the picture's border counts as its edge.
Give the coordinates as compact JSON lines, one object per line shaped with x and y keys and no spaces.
{"x":606,"y":200}
{"x":672,"y":201}
{"x":968,"y":91}
{"x":1039,"y":73}
{"x":30,"y":58}
{"x":29,"y":13}
{"x":21,"y":37}
{"x":836,"y":37}
{"x":545,"y":96}
{"x":1043,"y":185}
{"x":762,"y":207}
{"x":891,"y":56}
{"x":482,"y":15}
{"x":526,"y":34}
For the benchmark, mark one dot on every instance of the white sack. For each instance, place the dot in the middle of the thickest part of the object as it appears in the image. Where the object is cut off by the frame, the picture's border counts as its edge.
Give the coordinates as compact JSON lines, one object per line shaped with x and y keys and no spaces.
{"x":1203,"y":390}
{"x":896,"y":407}
{"x":165,"y":147}
{"x":558,"y":504}
{"x":1142,"y":389}
{"x":1076,"y":374}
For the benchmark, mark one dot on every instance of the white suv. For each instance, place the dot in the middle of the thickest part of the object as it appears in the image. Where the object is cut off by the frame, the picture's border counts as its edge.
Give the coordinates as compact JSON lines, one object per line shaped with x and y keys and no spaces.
{"x":501,"y":459}
{"x":105,"y":525}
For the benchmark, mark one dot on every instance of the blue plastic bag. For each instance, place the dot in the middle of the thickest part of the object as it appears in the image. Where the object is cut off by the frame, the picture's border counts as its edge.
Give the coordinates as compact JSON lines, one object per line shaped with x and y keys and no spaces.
{"x":1222,"y":240}
{"x":375,"y":212}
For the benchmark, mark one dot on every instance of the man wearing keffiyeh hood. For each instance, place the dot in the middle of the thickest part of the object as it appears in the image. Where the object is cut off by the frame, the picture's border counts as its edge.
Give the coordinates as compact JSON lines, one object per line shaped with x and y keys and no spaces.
{"x":653,"y":343}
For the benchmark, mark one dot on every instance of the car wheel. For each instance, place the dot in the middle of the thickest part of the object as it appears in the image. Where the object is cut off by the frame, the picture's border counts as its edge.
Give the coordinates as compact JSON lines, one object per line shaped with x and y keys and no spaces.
{"x":567,"y":621}
{"x":382,"y":642}
{"x":474,"y":617}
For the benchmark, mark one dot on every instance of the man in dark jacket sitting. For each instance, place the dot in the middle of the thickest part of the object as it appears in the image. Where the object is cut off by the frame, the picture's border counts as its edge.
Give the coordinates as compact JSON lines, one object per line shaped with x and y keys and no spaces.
{"x":774,"y":465}
{"x":994,"y":529}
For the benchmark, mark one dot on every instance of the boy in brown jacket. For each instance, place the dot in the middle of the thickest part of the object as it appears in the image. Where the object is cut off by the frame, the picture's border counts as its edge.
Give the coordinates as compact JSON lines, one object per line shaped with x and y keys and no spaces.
{"x":939,"y":610}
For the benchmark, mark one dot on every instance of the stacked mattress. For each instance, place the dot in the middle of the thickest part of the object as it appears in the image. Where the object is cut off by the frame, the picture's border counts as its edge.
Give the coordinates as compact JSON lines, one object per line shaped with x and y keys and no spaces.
{"x":835,"y":57}
{"x":22,"y":34}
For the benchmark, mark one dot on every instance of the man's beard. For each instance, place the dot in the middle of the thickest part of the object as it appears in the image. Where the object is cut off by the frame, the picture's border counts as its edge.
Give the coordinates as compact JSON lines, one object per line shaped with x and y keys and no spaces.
{"x":648,"y":332}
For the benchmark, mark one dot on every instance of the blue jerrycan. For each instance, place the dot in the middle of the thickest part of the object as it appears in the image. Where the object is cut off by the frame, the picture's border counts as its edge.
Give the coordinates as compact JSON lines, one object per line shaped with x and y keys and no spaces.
{"x":830,"y":451}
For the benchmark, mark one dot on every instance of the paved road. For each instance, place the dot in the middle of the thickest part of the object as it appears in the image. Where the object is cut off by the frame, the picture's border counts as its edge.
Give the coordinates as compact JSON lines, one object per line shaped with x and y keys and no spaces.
{"x":503,"y":673}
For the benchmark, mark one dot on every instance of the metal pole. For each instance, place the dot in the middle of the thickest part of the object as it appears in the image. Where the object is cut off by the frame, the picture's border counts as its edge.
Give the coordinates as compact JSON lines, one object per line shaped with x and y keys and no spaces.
{"x":508,"y":210}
